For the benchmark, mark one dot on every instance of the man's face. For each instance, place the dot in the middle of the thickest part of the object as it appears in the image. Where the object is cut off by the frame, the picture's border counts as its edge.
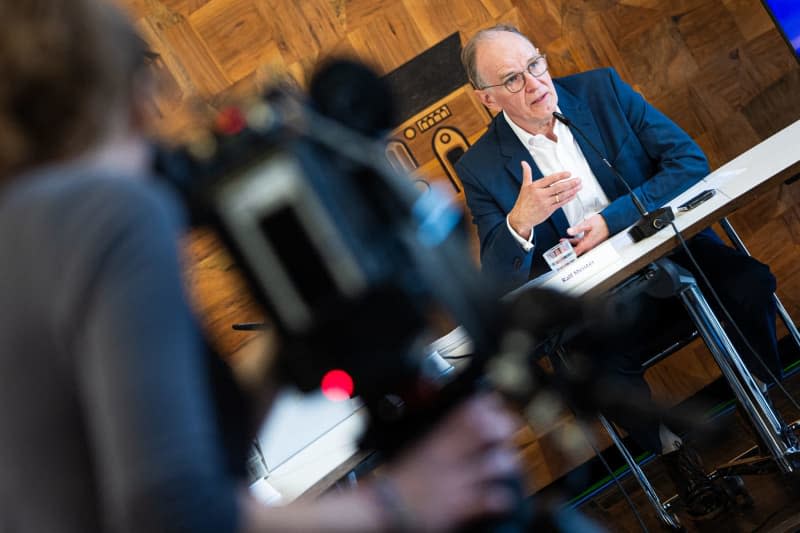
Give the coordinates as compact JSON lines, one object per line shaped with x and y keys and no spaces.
{"x":498,"y":57}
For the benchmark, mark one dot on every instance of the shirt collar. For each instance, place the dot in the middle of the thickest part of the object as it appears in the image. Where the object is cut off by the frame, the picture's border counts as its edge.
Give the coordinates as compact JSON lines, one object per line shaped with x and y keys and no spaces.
{"x":528,"y":139}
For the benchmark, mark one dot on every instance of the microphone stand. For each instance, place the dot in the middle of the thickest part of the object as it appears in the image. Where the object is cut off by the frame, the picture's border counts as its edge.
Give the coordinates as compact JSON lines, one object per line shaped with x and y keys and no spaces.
{"x":650,"y":223}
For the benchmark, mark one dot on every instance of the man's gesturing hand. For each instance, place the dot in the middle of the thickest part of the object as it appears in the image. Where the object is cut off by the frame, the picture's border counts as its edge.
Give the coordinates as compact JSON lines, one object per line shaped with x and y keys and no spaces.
{"x":538,"y":199}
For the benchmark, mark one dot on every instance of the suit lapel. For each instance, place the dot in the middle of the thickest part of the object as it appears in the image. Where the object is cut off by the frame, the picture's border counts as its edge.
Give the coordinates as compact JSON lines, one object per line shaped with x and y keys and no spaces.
{"x":516,"y":153}
{"x":582,"y":117}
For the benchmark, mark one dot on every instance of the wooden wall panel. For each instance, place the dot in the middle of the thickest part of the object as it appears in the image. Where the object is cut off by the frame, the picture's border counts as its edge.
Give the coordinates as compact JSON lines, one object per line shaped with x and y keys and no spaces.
{"x":719,"y":68}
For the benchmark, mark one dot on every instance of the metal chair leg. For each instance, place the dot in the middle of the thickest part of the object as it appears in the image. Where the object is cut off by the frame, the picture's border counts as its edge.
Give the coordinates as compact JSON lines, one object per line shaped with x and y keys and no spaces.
{"x":662,"y":510}
{"x":782,"y":312}
{"x":665,"y":514}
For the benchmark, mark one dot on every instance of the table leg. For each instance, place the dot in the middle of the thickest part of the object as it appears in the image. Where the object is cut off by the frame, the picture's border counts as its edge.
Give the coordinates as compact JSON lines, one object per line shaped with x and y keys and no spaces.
{"x":771,"y":429}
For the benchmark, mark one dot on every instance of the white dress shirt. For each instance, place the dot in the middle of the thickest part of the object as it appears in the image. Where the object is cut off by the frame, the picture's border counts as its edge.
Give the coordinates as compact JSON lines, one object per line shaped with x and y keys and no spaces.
{"x":552,"y":157}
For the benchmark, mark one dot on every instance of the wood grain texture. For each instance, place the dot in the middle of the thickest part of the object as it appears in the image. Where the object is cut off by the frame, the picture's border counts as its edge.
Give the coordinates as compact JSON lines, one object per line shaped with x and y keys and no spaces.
{"x":719,"y":68}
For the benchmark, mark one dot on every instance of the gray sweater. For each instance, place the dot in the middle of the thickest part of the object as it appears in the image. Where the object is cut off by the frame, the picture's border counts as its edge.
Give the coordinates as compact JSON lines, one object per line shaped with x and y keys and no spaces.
{"x":105,"y":418}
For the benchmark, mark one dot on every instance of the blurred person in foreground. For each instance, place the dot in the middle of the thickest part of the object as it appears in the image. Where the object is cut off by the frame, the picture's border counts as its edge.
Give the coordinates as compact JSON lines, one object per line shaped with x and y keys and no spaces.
{"x":111,"y":416}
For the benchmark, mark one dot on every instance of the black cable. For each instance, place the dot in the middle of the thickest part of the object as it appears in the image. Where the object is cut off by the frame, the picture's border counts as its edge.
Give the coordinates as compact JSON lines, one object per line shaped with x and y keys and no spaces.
{"x":730,"y":320}
{"x":250,"y":326}
{"x":456,"y":357}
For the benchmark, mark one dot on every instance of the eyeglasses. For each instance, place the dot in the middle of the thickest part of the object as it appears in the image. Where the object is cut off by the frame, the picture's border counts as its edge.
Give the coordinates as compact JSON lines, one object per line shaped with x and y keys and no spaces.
{"x":516,"y":81}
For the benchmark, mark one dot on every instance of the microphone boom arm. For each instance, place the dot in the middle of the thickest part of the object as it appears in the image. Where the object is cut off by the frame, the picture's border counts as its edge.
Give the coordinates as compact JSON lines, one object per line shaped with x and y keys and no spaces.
{"x":650,"y":222}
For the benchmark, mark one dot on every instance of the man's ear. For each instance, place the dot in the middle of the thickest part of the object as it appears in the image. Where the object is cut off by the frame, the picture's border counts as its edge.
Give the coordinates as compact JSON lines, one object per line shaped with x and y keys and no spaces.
{"x":486,"y":98}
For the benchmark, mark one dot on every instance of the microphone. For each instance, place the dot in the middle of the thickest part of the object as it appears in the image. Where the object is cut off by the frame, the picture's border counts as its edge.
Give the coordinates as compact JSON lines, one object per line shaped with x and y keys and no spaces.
{"x":650,"y":223}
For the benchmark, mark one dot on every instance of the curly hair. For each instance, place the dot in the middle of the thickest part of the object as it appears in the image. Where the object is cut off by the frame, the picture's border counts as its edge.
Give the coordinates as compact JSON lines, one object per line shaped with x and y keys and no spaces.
{"x":65,"y":65}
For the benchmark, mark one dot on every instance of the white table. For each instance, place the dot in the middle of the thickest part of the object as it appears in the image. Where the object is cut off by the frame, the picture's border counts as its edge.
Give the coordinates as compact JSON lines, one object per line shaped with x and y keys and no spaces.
{"x":766,"y":165}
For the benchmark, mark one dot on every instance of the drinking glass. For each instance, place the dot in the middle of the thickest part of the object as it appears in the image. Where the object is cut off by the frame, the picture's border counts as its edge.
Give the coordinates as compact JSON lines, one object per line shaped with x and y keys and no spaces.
{"x":560,"y":255}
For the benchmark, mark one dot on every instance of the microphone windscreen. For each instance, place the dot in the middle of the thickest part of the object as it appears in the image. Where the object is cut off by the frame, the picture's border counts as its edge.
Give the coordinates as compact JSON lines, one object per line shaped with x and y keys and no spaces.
{"x":351,"y":93}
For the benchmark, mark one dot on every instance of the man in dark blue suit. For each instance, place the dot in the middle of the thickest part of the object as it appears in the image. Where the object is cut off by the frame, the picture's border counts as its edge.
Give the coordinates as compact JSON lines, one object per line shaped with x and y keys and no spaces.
{"x":529,"y":183}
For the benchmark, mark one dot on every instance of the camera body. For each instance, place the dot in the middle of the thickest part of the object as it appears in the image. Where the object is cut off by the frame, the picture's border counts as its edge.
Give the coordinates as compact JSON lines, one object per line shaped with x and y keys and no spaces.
{"x":349,"y":259}
{"x":351,"y":262}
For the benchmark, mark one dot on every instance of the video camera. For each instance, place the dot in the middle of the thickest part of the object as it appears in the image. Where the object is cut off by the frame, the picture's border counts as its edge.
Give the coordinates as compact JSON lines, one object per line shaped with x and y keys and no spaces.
{"x":351,"y":261}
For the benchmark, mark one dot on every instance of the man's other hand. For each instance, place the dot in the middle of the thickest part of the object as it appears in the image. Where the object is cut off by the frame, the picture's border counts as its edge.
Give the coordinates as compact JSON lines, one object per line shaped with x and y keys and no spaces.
{"x":595,"y":231}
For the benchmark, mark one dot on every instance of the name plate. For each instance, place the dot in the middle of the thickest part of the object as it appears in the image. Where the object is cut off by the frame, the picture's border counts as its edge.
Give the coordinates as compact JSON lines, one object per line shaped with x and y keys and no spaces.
{"x":583,"y":268}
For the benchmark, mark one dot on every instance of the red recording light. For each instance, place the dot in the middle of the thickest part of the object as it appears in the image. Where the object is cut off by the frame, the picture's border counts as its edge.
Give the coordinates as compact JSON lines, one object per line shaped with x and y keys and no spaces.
{"x":337,"y":385}
{"x":230,"y":121}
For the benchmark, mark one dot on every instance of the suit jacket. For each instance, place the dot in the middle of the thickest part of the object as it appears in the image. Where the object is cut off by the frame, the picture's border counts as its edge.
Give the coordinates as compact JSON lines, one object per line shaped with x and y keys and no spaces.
{"x":657,"y":158}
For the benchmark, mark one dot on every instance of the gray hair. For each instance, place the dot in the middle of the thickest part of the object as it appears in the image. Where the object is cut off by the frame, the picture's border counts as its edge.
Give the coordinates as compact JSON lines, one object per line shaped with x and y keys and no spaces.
{"x":469,"y":53}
